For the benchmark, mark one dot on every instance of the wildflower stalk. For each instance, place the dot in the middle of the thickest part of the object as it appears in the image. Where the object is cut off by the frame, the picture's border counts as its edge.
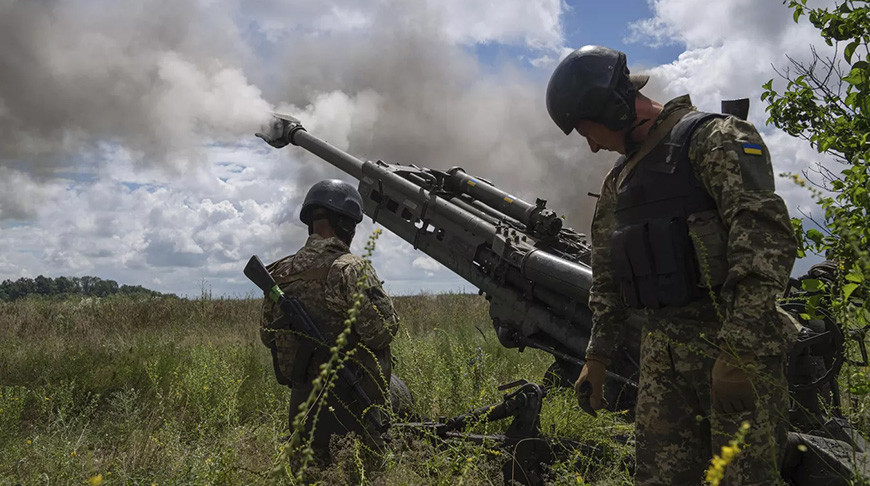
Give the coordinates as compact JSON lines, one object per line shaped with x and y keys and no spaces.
{"x":328,"y":375}
{"x":729,"y":452}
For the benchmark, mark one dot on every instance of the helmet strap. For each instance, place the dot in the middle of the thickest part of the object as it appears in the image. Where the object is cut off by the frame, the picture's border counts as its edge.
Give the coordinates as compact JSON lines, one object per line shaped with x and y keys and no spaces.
{"x":621,"y":111}
{"x":629,"y":143}
{"x":344,"y":228}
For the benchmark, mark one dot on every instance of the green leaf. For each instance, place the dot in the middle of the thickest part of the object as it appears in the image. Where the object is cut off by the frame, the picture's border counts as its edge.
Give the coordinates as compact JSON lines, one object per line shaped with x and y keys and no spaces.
{"x":855,"y":77}
{"x":849,"y":50}
{"x":815,"y":236}
{"x":848,"y":289}
{"x":812,"y":284}
{"x":855,"y":276}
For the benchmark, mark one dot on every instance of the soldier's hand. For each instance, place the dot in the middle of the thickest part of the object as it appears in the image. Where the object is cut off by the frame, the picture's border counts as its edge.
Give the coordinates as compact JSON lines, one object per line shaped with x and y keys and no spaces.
{"x":277,"y":134}
{"x":590,"y":385}
{"x":732,"y":390}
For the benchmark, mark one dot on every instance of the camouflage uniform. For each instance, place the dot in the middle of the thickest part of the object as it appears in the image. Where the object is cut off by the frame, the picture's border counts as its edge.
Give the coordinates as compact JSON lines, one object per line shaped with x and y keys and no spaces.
{"x":325,"y":277}
{"x":677,"y":431}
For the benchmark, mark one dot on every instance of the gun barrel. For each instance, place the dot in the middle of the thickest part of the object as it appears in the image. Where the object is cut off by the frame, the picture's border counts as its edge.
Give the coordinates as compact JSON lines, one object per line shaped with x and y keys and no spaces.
{"x":337,"y":157}
{"x":566,"y":277}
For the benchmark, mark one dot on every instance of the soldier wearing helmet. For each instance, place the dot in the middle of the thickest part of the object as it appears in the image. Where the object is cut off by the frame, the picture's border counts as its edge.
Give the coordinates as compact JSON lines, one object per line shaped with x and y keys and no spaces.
{"x":689,"y":232}
{"x":327,"y":279}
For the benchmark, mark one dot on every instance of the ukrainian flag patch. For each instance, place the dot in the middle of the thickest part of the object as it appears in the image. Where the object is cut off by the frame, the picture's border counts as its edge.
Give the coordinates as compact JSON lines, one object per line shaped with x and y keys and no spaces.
{"x":751,"y":149}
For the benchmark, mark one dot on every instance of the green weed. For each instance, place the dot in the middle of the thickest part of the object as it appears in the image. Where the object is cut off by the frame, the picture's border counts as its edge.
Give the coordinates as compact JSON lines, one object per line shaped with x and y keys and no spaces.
{"x":169,"y":391}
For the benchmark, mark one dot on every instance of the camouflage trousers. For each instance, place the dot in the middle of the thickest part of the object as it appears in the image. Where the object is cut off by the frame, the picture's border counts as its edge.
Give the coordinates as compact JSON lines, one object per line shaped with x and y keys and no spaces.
{"x":677,"y":431}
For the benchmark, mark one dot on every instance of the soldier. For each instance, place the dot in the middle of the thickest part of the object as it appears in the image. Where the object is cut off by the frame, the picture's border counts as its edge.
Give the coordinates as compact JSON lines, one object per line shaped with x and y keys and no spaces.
{"x":688,"y":231}
{"x":327,"y":279}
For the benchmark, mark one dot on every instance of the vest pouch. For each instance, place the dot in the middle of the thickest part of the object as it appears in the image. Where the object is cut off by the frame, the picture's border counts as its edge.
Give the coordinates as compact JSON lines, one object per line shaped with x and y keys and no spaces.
{"x":632,"y":265}
{"x":674,"y":262}
{"x":654,"y":264}
{"x":710,"y":240}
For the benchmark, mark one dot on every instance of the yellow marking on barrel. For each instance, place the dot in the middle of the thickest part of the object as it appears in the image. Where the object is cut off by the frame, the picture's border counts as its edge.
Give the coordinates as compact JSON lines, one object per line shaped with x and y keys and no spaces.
{"x":508,"y":199}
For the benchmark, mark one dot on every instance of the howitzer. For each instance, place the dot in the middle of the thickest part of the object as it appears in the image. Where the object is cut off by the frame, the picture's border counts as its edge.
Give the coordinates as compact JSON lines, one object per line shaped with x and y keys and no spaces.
{"x":536,"y":275}
{"x":301,"y":322}
{"x":534,"y":272}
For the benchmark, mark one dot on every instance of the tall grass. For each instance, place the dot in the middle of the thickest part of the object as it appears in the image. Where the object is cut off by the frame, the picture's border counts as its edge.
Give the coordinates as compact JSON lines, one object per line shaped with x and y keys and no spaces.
{"x":169,"y":391}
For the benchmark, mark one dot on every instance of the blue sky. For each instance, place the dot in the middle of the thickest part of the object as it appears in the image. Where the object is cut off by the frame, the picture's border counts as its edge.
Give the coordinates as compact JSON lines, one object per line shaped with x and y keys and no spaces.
{"x":126,"y":146}
{"x":594,"y":22}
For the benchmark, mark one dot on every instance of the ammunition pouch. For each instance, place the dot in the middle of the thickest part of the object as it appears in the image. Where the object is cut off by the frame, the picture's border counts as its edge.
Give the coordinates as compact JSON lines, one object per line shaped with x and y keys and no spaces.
{"x":654,"y":264}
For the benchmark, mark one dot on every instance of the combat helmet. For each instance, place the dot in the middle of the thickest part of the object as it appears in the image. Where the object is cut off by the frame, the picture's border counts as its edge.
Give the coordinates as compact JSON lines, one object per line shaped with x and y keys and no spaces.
{"x":593,"y":83}
{"x":335,"y":195}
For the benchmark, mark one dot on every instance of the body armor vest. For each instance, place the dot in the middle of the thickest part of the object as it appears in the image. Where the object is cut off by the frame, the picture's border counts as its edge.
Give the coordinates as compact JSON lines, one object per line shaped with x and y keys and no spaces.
{"x":298,"y":356}
{"x":654,"y":256}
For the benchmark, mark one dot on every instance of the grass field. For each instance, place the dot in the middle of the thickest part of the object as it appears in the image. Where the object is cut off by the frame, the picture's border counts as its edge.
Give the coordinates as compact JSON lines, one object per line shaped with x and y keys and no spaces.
{"x":169,"y":391}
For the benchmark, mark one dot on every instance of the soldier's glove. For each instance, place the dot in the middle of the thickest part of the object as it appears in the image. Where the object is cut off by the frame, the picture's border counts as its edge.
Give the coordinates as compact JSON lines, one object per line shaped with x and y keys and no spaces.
{"x":732,"y":391}
{"x":590,"y":384}
{"x":277,"y":134}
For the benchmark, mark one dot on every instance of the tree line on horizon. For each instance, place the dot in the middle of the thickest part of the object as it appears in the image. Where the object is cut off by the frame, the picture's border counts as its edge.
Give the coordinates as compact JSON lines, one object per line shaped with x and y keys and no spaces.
{"x":65,"y":286}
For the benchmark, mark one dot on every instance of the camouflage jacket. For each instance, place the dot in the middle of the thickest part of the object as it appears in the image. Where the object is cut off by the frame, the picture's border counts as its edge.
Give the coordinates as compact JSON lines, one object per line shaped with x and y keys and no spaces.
{"x":756,"y":231}
{"x":327,"y":279}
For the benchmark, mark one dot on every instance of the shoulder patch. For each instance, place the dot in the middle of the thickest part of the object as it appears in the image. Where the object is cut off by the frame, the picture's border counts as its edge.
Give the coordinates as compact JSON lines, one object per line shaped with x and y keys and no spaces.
{"x":755,"y":168}
{"x":751,"y":149}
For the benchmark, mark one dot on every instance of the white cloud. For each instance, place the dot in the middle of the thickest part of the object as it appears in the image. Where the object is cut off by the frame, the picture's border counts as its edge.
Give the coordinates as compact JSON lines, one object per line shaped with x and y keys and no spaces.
{"x":536,"y":24}
{"x":159,"y":229}
{"x":684,"y":22}
{"x":516,"y":22}
{"x":426,"y":263}
{"x":22,"y":196}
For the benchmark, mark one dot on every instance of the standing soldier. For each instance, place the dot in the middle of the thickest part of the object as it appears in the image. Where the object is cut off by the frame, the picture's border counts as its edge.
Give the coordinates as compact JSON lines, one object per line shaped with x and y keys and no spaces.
{"x":688,"y":230}
{"x":327,"y":279}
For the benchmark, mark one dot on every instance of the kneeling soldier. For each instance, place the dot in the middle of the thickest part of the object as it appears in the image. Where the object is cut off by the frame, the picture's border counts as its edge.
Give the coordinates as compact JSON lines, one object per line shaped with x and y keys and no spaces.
{"x":327,"y":279}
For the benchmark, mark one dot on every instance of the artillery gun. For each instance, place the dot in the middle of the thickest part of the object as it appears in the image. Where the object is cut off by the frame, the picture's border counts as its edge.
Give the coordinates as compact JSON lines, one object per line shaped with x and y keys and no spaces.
{"x":535,"y":273}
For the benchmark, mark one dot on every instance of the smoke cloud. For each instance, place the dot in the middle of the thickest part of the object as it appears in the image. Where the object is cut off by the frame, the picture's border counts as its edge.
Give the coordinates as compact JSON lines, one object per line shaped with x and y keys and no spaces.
{"x":392,"y":80}
{"x":159,"y":78}
{"x":412,"y":97}
{"x":126,"y":127}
